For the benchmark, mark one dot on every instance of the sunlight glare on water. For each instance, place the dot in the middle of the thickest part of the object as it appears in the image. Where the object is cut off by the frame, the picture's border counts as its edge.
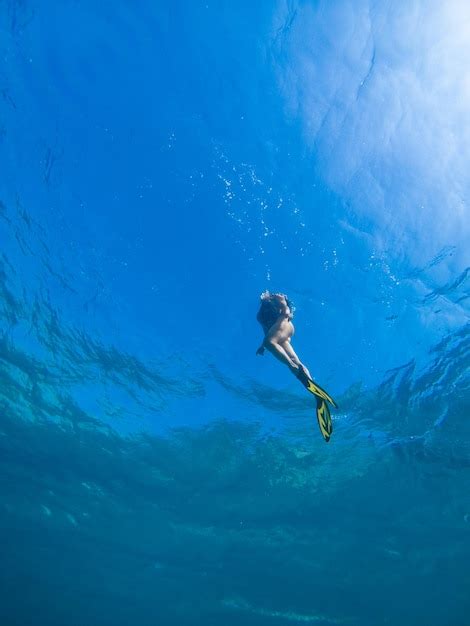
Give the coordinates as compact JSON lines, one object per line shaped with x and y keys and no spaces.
{"x":163,"y":164}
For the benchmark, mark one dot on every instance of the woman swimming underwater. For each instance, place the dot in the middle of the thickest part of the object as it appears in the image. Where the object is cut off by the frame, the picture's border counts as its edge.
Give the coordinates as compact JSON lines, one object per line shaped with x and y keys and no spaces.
{"x":275,"y":316}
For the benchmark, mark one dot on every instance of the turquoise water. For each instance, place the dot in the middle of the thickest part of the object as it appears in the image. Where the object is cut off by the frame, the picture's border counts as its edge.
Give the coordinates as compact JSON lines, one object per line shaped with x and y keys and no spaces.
{"x":161,"y":165}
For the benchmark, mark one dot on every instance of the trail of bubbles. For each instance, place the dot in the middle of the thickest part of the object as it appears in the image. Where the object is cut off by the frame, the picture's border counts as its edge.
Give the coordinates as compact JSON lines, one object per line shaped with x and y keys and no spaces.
{"x":259,"y":212}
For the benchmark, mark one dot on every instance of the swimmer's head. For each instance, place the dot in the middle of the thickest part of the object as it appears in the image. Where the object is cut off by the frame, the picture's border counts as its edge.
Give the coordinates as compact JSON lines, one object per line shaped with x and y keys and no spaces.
{"x":267,"y":295}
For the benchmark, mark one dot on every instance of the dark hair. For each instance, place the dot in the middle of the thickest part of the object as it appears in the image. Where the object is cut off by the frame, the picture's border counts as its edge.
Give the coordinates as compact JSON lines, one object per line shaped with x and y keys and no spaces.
{"x":269,"y":310}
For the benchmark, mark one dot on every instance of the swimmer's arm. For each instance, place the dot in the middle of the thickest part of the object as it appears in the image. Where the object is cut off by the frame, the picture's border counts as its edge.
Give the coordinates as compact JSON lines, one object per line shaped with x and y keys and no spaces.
{"x":267,"y":331}
{"x":261,"y":346}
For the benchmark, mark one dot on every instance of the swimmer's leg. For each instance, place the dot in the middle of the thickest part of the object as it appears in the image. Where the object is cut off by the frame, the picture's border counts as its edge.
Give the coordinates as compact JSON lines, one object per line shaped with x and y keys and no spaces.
{"x":275,"y":341}
{"x":279,"y":352}
{"x":294,"y":358}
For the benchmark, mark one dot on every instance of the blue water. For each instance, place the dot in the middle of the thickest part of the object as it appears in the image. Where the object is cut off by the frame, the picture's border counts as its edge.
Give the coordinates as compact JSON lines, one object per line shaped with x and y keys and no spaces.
{"x":161,"y":164}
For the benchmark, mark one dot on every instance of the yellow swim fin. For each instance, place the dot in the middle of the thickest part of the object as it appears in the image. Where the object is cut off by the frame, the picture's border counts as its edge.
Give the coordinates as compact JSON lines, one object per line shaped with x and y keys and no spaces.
{"x":314,"y":388}
{"x":324,"y":419}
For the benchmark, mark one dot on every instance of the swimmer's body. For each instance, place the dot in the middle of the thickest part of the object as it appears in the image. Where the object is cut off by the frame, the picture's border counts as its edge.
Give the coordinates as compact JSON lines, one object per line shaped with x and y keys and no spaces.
{"x":275,"y":316}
